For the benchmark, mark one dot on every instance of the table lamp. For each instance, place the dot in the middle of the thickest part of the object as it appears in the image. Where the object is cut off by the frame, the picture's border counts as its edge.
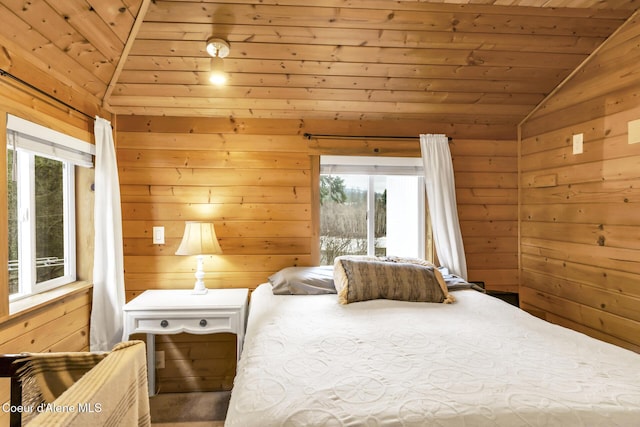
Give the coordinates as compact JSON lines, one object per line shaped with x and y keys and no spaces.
{"x":199,"y":239}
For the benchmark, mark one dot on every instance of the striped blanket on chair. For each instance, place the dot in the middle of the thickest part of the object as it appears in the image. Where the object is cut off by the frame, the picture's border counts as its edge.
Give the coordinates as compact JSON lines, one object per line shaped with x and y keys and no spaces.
{"x":88,"y":389}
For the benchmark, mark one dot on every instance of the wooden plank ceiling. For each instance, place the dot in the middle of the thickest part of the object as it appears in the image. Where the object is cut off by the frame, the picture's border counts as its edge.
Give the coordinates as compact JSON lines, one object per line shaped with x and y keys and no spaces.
{"x":459,"y":61}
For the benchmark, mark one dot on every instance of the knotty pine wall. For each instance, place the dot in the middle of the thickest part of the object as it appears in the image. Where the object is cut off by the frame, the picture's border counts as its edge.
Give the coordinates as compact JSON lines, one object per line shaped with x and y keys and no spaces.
{"x":255,"y":179}
{"x":255,"y":186}
{"x":487,"y":194}
{"x":63,"y":324}
{"x":580,"y":229}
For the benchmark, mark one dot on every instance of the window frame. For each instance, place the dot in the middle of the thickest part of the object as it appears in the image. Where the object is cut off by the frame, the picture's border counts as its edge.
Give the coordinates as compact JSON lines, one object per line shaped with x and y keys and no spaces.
{"x":27,"y":265}
{"x":381,"y":166}
{"x":28,"y":140}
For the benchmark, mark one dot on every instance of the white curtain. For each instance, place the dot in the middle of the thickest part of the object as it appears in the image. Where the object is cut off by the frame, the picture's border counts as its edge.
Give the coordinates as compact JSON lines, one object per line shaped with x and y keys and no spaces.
{"x":441,"y":196}
{"x":108,"y":261}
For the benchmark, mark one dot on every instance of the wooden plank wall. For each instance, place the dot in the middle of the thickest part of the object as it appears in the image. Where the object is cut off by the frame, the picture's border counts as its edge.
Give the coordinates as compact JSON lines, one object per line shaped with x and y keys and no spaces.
{"x":62,"y":325}
{"x":59,"y":326}
{"x":580,"y":227}
{"x":254,"y":184}
{"x":487,"y":195}
{"x":254,"y":180}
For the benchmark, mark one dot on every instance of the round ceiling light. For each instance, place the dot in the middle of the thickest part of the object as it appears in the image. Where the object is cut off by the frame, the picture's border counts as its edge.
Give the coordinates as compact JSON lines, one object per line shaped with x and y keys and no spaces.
{"x":217,"y":47}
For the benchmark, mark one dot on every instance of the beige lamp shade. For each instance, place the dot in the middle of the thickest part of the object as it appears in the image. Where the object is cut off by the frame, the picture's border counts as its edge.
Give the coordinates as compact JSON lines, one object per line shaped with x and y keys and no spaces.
{"x":199,"y":239}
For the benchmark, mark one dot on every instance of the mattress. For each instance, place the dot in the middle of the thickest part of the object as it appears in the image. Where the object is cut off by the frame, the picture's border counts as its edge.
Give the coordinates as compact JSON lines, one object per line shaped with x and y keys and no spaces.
{"x":309,"y":361}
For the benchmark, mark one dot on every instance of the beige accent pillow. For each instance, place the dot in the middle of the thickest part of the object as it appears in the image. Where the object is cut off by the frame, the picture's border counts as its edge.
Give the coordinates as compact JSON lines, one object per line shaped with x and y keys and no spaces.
{"x":362,"y":278}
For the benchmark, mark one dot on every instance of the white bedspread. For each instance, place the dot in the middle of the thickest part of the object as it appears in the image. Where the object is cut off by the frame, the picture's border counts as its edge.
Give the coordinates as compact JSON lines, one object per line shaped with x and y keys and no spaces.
{"x":309,"y":361}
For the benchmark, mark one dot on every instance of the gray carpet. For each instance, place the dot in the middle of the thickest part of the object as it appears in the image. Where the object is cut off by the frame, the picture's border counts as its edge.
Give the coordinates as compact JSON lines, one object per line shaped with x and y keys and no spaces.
{"x":189,"y":407}
{"x":191,"y":424}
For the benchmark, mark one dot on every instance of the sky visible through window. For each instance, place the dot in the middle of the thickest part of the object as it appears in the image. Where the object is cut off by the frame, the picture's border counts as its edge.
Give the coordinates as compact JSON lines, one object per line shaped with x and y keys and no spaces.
{"x":361,"y":182}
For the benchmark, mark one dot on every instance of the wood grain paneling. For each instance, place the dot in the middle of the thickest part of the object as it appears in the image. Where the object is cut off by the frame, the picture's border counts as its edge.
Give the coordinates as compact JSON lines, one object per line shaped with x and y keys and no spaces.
{"x":580,"y":250}
{"x":254,"y":185}
{"x":63,"y":323}
{"x":481,"y":64}
{"x":59,"y":326}
{"x":486,"y":191}
{"x":478,"y":63}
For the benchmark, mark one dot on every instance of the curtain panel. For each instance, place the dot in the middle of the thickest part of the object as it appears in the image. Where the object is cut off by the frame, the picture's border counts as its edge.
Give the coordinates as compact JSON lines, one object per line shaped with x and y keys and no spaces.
{"x":441,"y":197}
{"x":108,"y":269}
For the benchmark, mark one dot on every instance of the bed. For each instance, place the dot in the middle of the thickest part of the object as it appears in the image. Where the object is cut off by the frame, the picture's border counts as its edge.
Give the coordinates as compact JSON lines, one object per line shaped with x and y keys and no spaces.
{"x":310,"y":361}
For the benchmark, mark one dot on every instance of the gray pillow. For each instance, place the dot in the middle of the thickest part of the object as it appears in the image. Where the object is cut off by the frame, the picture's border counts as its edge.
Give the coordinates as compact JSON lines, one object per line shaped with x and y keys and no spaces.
{"x":456,"y":283}
{"x":303,"y":281}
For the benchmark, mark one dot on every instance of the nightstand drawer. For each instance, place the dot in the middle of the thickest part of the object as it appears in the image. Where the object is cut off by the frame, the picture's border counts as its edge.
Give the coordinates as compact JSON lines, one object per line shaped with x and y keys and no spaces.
{"x":189,"y":324}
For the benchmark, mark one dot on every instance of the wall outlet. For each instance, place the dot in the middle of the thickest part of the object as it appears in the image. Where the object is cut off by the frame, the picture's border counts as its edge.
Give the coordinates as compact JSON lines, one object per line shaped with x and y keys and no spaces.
{"x":159,"y":359}
{"x":577,"y":143}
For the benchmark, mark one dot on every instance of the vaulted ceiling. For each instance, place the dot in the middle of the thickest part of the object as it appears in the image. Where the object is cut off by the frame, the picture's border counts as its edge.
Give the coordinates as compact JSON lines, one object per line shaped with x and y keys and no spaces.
{"x":463,"y":61}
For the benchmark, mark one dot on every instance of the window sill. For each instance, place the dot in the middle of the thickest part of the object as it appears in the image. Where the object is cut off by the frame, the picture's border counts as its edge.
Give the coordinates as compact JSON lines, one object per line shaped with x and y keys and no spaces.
{"x":34,"y":302}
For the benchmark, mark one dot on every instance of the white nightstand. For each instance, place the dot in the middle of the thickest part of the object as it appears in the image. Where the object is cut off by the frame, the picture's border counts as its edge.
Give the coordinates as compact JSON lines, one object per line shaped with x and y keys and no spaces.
{"x":174,"y":311}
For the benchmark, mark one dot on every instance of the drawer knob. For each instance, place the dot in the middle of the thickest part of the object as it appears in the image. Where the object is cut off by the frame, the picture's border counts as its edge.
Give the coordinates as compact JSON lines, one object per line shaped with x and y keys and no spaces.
{"x":203,"y":322}
{"x":164,"y":323}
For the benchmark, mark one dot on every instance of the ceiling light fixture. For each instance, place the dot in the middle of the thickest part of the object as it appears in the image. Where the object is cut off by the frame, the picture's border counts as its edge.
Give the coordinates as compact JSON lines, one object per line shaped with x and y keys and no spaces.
{"x":217,"y":49}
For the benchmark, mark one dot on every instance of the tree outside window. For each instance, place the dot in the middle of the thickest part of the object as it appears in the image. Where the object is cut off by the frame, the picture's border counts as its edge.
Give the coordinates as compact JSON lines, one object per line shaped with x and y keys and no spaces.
{"x":351,"y":223}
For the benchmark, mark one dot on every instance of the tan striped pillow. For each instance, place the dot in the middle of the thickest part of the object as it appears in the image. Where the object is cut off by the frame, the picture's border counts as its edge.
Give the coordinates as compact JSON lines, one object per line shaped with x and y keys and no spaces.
{"x":362,"y":278}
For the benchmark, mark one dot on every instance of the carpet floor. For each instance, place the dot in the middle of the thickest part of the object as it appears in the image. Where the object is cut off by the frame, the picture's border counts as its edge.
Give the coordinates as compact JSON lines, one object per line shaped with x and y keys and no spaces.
{"x":191,"y":424}
{"x":206,"y":409}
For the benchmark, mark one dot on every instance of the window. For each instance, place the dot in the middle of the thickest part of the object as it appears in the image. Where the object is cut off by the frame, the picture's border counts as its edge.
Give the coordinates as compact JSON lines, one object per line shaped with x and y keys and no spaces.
{"x":371,"y":206}
{"x":41,"y":206}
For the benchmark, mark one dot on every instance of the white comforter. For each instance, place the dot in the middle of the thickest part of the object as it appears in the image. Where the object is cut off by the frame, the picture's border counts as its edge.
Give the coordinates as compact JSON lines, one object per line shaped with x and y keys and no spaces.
{"x":308,"y":361}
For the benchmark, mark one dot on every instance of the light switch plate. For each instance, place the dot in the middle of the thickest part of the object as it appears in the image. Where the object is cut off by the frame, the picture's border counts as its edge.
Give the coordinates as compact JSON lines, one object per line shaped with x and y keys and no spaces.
{"x":578,"y":139}
{"x":634,"y":131}
{"x":158,"y":235}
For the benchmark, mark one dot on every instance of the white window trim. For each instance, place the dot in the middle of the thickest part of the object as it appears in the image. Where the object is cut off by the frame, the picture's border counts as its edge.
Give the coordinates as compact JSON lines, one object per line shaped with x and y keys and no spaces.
{"x":371,"y":210}
{"x":374,"y":165}
{"x":69,"y":233}
{"x":370,"y":165}
{"x":34,"y":139}
{"x":26,"y":227}
{"x":50,"y":143}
